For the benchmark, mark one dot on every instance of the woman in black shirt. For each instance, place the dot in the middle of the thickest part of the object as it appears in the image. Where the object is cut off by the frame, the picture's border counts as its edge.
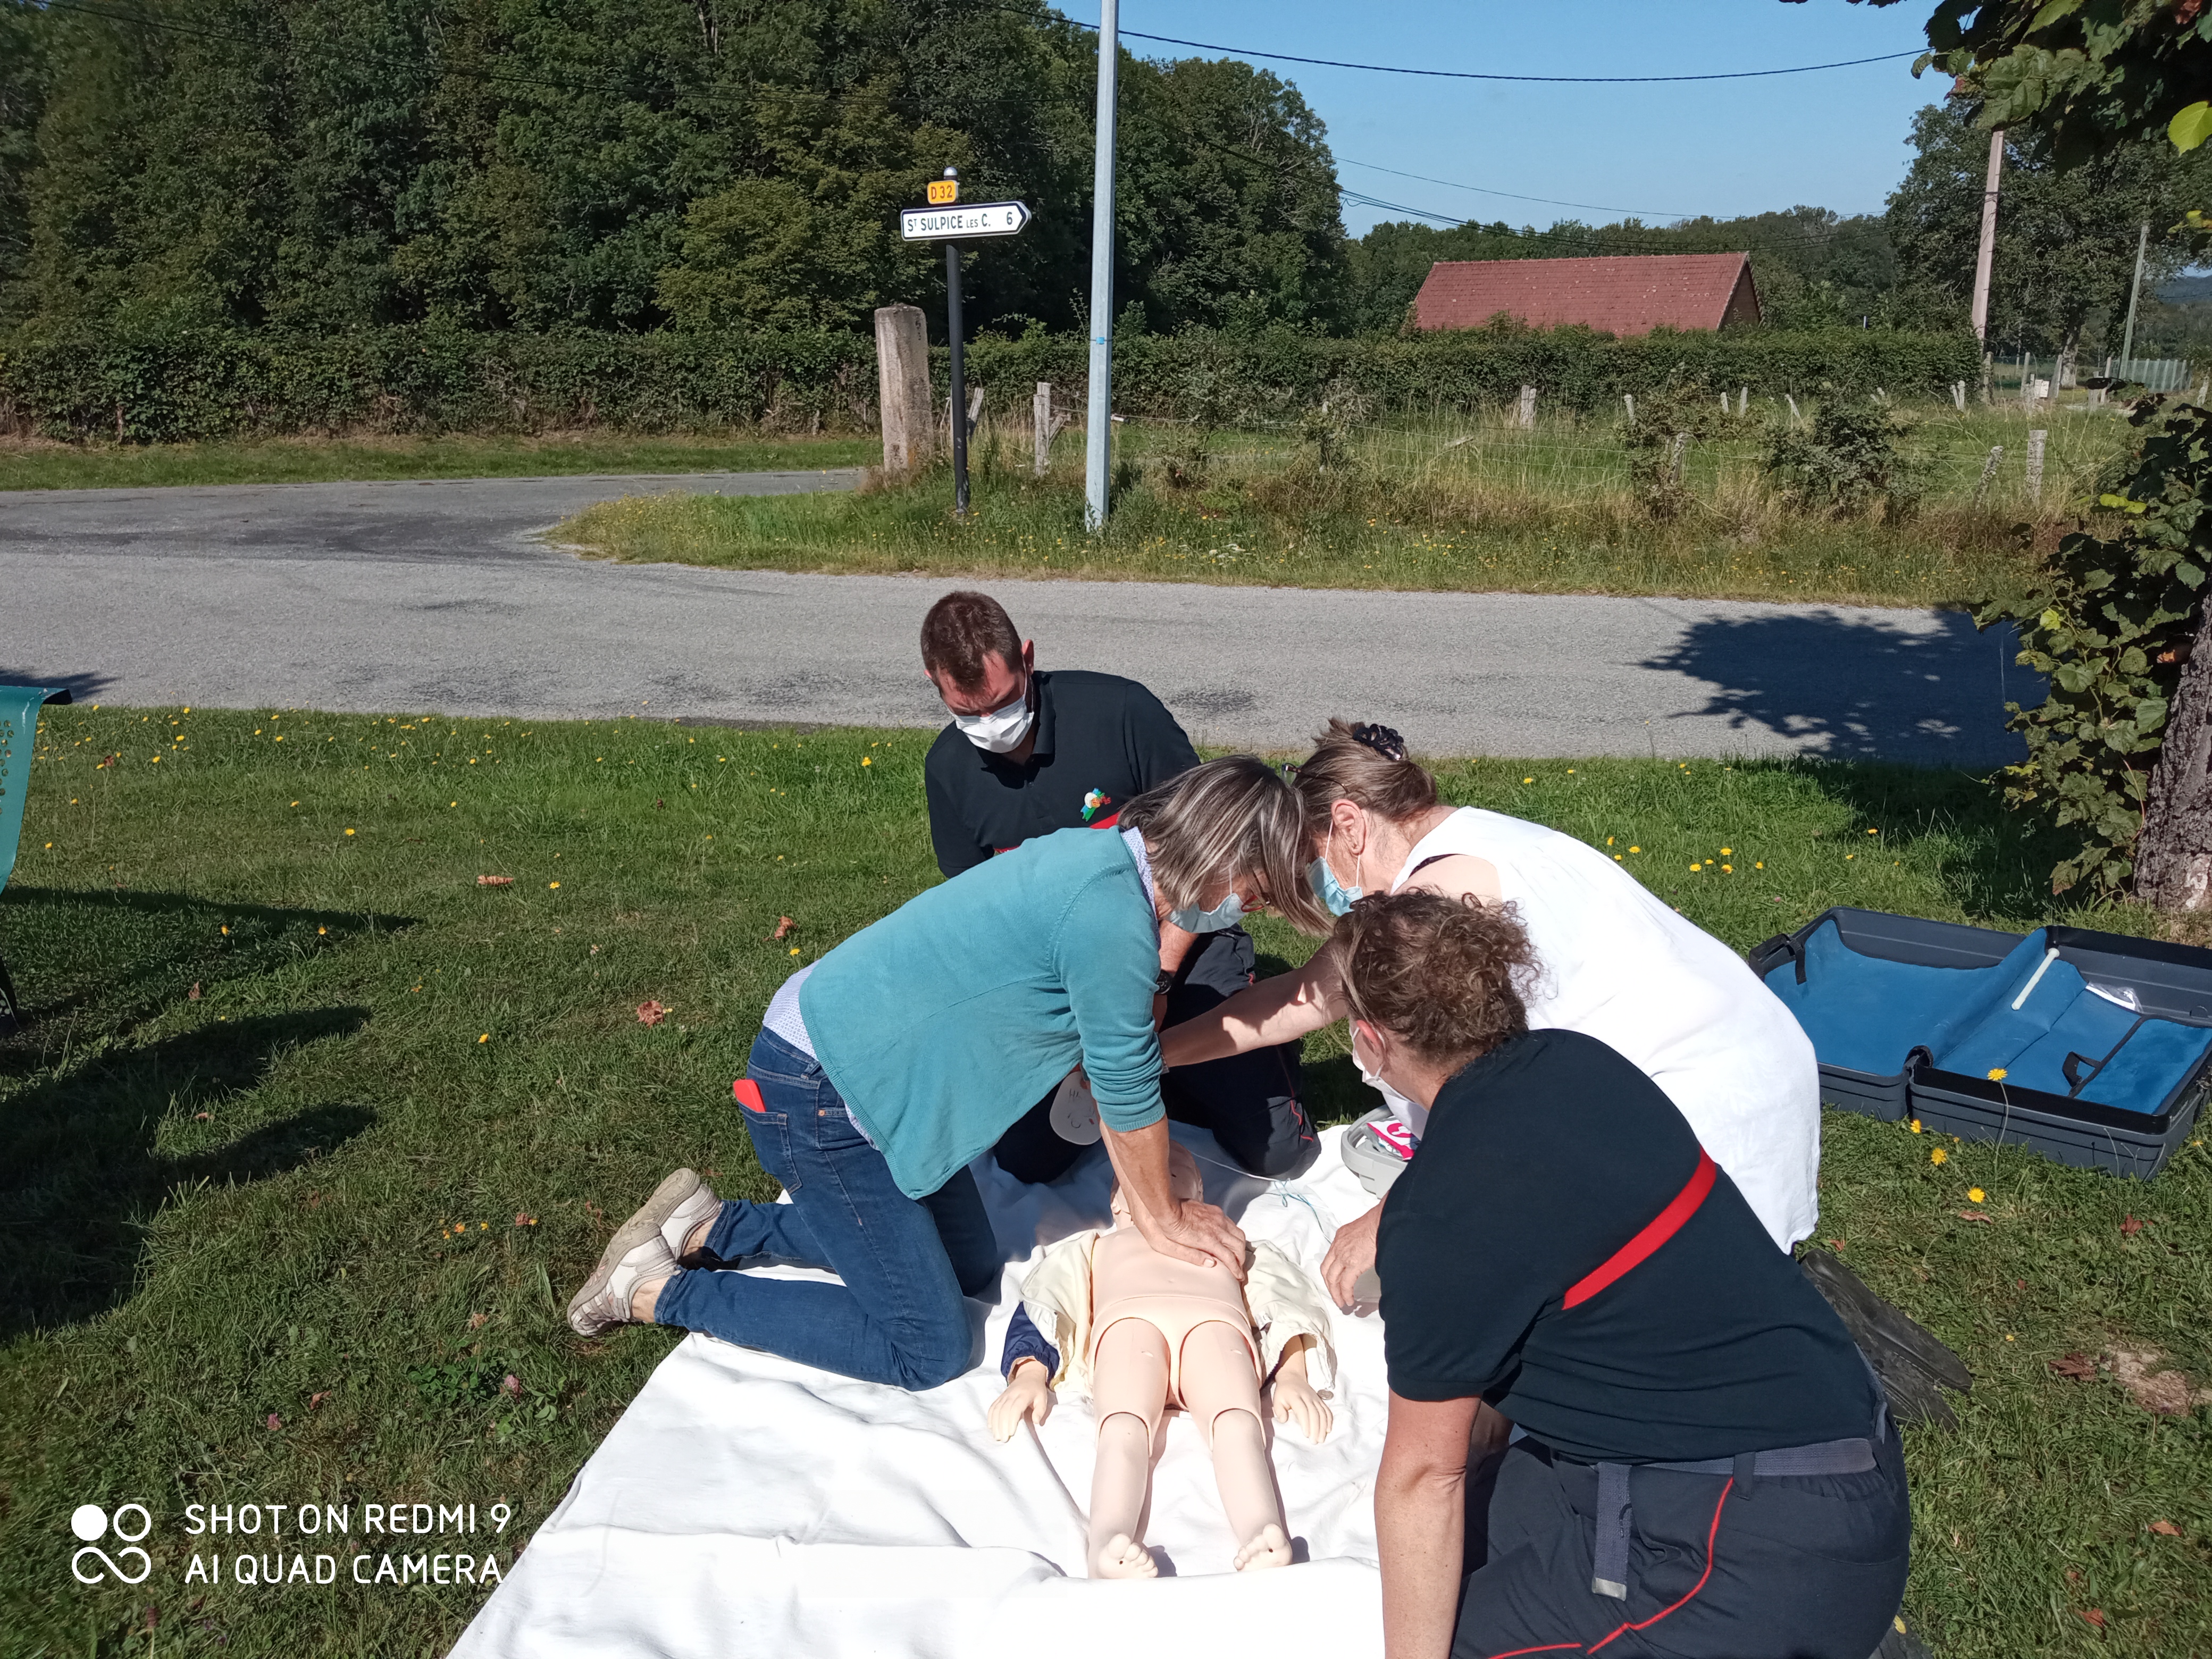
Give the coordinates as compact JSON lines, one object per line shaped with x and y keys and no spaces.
{"x":1702,"y":1462}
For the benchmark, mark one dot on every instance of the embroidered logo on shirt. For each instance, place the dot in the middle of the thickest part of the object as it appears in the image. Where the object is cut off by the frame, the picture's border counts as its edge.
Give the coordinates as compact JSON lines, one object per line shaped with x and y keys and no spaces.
{"x":1096,"y":801}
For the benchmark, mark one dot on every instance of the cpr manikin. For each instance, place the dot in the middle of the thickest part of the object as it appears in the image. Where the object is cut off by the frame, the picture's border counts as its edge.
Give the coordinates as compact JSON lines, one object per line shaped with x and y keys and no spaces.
{"x":1144,"y":1332}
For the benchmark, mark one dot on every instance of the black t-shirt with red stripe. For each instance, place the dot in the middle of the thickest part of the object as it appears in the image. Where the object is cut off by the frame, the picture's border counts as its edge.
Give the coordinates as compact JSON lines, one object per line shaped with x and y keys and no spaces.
{"x":1101,"y":740}
{"x":1543,"y":1161}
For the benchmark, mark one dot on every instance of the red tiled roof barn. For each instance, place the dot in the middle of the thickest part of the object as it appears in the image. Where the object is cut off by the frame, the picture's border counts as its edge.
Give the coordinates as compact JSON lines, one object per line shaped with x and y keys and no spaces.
{"x":1631,"y":294}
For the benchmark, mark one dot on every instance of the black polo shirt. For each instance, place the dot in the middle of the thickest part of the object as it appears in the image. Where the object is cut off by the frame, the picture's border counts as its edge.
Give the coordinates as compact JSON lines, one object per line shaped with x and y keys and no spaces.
{"x":1542,"y":1160}
{"x":1100,"y":740}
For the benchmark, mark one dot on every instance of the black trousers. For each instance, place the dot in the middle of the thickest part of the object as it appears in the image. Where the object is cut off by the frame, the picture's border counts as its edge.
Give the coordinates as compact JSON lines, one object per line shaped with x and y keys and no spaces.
{"x":1250,"y":1102}
{"x":1788,"y":1567}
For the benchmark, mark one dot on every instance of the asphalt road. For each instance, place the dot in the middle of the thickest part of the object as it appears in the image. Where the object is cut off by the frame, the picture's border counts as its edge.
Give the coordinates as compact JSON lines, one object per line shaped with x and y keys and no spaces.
{"x":441,"y":595}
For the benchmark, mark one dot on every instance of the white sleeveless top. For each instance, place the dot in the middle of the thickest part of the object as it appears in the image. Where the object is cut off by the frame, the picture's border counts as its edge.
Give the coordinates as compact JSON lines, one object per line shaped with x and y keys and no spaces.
{"x":1620,"y":965}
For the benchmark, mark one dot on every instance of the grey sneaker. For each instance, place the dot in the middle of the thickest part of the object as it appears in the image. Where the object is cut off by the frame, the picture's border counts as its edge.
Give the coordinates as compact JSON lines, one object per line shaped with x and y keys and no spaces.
{"x":700,"y":1205}
{"x":637,"y":1252}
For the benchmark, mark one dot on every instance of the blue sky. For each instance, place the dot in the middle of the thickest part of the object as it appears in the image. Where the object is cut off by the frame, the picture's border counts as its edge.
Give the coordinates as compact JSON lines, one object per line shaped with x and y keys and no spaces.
{"x":1835,"y":139}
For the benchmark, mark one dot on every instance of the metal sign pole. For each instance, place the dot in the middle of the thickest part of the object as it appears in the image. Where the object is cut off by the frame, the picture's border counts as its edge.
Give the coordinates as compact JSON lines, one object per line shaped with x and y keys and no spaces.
{"x":959,"y":389}
{"x":1101,"y":414}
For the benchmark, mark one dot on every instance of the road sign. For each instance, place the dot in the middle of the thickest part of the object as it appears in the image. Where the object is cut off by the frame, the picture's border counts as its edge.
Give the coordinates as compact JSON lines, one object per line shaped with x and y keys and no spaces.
{"x":979,"y":219}
{"x":943,"y":192}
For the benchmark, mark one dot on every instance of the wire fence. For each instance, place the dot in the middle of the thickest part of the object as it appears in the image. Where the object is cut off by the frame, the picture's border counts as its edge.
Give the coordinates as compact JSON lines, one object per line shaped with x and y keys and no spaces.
{"x":2043,"y":458}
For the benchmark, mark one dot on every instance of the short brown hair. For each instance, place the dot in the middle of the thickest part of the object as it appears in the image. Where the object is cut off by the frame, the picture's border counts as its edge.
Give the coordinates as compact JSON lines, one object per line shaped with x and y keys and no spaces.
{"x":961,"y":631}
{"x":1374,"y":774}
{"x":1448,"y":977}
{"x":1221,"y":822}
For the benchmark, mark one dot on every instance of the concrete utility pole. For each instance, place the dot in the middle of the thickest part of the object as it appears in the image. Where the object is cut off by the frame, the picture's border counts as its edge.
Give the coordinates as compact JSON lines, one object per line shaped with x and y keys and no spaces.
{"x":2128,"y":339}
{"x":1987,"y":253}
{"x":1099,"y":434}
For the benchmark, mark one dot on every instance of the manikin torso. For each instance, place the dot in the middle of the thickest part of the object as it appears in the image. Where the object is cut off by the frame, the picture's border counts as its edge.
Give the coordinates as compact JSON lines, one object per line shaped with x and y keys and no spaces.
{"x":1130,"y":1279}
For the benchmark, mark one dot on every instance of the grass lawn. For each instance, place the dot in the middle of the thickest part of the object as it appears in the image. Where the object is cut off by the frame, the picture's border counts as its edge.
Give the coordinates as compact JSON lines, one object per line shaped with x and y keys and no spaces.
{"x":38,"y":465}
{"x":1471,"y":504}
{"x":312,"y":1136}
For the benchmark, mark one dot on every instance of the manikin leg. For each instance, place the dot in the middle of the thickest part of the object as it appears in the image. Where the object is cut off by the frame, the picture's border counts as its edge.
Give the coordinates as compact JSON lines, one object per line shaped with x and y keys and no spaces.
{"x":1219,"y":1384}
{"x":1128,"y":1388}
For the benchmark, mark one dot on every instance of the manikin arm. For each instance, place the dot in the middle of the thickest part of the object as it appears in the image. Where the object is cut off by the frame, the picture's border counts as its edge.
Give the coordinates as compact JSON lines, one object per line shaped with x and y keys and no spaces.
{"x":1273,"y":1011}
{"x":1028,"y":1393}
{"x":1295,"y":1395}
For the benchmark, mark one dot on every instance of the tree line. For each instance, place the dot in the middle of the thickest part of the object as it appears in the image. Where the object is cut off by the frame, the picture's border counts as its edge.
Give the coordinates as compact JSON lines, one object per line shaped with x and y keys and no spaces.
{"x":556,"y":165}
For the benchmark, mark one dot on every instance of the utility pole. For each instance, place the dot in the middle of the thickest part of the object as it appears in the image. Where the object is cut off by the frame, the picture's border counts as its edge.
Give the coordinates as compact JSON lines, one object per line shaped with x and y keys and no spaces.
{"x":2127,"y":340}
{"x":1099,"y":434}
{"x":1986,"y":255}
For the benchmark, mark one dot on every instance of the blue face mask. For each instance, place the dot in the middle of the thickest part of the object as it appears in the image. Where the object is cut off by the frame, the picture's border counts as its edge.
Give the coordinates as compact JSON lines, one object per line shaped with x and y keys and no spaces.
{"x":1223,"y":915}
{"x":1329,"y":891}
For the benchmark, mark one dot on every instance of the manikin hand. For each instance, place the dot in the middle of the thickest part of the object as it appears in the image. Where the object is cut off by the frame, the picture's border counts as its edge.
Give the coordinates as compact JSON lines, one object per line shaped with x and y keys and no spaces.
{"x":1028,"y":1393}
{"x":1351,"y":1254}
{"x":1295,"y":1397}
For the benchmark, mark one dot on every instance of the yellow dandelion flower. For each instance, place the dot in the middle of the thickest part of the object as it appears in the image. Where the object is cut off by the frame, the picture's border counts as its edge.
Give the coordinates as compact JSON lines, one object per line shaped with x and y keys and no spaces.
{"x":1727,"y":869}
{"x":1609,"y":841}
{"x":794,"y":949}
{"x":1998,"y":1074}
{"x":1974,"y":1194}
{"x":1938,"y":1156}
{"x":486,"y":1037}
{"x":1636,"y":849}
{"x":867,"y":760}
{"x":1528,"y":779}
{"x":1874,"y":832}
{"x":1760,"y":865}
{"x":1916,"y":1126}
{"x":349,"y":832}
{"x":552,"y":884}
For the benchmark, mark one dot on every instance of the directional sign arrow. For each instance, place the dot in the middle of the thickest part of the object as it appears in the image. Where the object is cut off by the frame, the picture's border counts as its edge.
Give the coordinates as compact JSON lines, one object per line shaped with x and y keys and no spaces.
{"x":975,"y":219}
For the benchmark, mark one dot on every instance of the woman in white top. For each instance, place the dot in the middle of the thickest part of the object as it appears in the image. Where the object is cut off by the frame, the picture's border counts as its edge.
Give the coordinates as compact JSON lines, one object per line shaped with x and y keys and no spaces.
{"x":1617,"y":965}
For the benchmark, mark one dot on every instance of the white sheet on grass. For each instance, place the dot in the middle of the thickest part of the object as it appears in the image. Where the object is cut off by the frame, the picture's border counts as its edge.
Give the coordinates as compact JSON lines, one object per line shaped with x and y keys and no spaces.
{"x":745,"y":1505}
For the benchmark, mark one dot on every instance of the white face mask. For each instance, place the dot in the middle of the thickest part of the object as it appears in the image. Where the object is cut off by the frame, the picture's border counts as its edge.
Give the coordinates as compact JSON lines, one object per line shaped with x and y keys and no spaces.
{"x":1372,"y":1080}
{"x":1002,"y":729}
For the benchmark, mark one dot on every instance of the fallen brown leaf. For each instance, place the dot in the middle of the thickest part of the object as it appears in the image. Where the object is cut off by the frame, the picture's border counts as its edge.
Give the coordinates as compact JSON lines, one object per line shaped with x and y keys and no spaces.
{"x":494,"y":881}
{"x":315,"y":1400}
{"x":2079,"y":1366}
{"x":2129,"y":1227}
{"x":2165,"y":1392}
{"x":2095,"y":1616}
{"x":477,"y":1320}
{"x":2166,"y":1529}
{"x":194,"y":995}
{"x":275,"y":1421}
{"x":1974,"y":1215}
{"x":651,"y":1013}
{"x":203,"y":1118}
{"x":109,"y":761}
{"x":2073,"y":1576}
{"x":783,"y":927}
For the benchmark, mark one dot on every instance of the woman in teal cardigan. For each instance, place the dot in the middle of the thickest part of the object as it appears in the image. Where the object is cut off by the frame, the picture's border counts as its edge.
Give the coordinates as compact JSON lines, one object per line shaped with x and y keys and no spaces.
{"x":906,"y":1051}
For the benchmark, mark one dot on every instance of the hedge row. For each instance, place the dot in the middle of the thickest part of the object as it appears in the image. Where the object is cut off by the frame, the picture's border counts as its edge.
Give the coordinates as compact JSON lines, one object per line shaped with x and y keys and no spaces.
{"x":178,"y":384}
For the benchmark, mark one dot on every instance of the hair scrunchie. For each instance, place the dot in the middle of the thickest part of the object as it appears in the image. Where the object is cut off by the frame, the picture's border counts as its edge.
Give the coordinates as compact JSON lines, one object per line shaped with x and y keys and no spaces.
{"x":1382,"y":740}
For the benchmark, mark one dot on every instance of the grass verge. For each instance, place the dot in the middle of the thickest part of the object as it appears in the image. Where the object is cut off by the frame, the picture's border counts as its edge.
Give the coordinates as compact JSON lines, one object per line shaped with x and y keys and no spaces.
{"x":312,"y":1135}
{"x":38,"y":465}
{"x":1478,"y":505}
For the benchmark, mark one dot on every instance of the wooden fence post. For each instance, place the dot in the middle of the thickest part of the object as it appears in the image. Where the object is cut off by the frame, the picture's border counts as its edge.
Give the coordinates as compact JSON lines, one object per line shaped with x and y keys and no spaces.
{"x":2035,"y":463}
{"x":1792,"y":402}
{"x":1743,"y":402}
{"x":1675,"y":465}
{"x":902,"y":387}
{"x":1527,"y":411}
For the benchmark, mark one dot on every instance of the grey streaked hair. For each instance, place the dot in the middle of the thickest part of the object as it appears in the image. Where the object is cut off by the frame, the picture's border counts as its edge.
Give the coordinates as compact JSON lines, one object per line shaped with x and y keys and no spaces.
{"x":1229,"y":820}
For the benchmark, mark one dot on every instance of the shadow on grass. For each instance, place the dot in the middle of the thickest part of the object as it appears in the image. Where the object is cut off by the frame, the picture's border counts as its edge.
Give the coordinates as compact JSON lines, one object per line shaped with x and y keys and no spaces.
{"x":82,"y":1176}
{"x":1930,"y":690}
{"x":1994,"y":862}
{"x":90,"y":964}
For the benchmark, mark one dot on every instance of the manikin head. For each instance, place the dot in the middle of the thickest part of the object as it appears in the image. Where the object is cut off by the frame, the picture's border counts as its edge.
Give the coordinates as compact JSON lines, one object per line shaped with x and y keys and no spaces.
{"x":1183,"y":1181}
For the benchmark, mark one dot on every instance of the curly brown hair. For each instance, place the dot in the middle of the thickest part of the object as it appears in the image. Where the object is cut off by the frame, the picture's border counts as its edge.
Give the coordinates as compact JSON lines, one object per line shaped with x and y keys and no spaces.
{"x":1448,"y":977}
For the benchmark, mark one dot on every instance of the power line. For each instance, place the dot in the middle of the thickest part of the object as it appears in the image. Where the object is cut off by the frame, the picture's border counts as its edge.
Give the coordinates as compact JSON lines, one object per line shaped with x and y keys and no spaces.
{"x":1510,"y":196}
{"x":1475,"y":75}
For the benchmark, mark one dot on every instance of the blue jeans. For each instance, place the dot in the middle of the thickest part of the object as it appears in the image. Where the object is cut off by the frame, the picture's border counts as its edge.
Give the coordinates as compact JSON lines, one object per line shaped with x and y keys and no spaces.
{"x":900,"y":1317}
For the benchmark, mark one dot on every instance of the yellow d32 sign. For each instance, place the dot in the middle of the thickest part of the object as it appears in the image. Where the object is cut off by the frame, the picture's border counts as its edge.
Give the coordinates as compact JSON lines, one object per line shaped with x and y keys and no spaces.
{"x":944,"y":191}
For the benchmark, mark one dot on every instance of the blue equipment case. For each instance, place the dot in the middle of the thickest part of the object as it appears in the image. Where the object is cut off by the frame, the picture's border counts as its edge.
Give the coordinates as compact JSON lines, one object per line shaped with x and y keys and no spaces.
{"x":2103,"y":1041}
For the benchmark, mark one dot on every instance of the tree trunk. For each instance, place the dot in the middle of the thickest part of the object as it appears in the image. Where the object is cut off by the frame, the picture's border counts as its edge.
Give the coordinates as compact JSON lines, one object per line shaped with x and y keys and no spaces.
{"x":2173,"y":855}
